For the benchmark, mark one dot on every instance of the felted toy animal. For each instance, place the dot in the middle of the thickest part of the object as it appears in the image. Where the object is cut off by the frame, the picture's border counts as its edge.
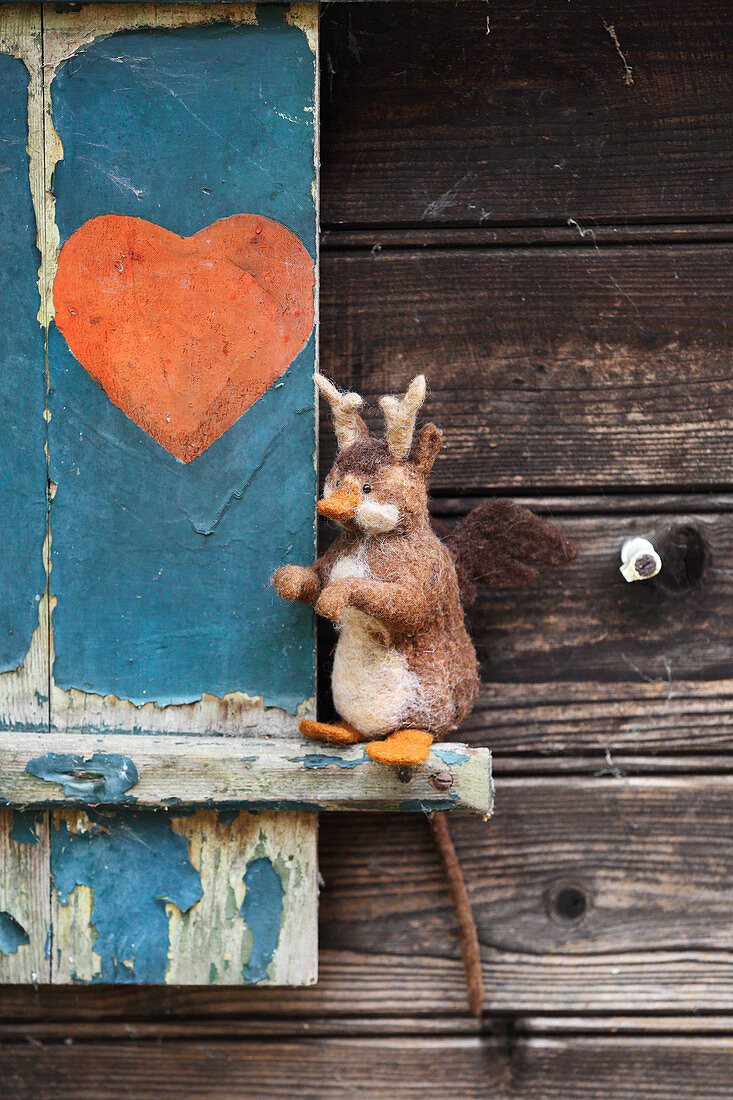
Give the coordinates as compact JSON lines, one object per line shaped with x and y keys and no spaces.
{"x":404,"y":670}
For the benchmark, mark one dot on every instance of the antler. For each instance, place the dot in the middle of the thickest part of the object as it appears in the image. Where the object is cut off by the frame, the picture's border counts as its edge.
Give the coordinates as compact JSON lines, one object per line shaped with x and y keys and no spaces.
{"x":400,"y":417}
{"x":347,"y":423}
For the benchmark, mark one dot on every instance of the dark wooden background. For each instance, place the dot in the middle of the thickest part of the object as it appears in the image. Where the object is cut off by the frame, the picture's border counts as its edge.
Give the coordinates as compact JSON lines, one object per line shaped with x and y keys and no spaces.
{"x":551,"y":244}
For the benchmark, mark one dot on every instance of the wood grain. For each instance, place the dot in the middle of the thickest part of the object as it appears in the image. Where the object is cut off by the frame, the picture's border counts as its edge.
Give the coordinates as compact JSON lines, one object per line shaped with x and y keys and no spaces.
{"x":428,"y":118}
{"x":573,"y":1068}
{"x":555,"y":367}
{"x":461,"y":1067}
{"x":581,"y":659}
{"x":25,"y":925}
{"x":649,"y":860}
{"x":532,"y":1068}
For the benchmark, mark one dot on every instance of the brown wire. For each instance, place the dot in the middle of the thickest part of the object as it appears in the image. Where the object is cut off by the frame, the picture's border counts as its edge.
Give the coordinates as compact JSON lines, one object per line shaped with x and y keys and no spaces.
{"x":467,"y":935}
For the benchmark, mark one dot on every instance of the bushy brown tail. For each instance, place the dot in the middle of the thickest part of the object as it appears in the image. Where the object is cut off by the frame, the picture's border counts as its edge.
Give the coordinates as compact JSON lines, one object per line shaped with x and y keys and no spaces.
{"x":500,"y":543}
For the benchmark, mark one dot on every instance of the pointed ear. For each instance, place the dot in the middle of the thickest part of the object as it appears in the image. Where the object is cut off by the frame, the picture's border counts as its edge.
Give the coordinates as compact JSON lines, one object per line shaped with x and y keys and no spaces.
{"x":428,"y":443}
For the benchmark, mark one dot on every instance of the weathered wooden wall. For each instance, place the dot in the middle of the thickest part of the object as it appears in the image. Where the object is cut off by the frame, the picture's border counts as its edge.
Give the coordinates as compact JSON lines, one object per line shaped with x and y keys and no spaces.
{"x":551,"y":243}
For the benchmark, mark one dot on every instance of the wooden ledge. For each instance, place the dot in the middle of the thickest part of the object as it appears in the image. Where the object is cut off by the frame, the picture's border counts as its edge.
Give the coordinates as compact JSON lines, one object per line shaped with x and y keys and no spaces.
{"x":52,"y":769}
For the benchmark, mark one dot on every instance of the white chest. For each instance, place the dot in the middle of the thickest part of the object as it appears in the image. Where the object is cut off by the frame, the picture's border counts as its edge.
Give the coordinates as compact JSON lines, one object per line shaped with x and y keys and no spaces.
{"x":372,"y":687}
{"x":350,"y":565}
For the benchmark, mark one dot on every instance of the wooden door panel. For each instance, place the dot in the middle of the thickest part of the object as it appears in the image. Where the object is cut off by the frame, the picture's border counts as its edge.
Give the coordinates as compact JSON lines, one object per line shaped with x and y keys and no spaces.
{"x":171,"y":170}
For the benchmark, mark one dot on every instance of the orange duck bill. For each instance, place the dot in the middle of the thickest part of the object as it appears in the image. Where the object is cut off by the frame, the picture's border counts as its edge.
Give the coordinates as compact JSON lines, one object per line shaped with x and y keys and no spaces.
{"x":340,"y":506}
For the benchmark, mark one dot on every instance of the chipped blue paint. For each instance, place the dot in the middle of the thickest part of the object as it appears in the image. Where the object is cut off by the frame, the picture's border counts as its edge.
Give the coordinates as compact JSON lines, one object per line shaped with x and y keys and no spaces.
{"x":23,"y":829}
{"x":262,"y":910}
{"x":102,"y":777}
{"x":228,"y":817}
{"x":22,"y":382}
{"x":322,"y":760}
{"x":47,"y":945}
{"x":133,"y":862}
{"x":162,"y":569}
{"x":12,"y":934}
{"x":428,"y":805}
{"x":450,"y":756}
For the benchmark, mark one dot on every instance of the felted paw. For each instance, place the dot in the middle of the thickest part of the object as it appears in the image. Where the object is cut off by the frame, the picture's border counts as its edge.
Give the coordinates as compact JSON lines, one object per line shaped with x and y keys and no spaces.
{"x":333,"y":600}
{"x":287,"y":582}
{"x":335,"y":734}
{"x":403,"y":747}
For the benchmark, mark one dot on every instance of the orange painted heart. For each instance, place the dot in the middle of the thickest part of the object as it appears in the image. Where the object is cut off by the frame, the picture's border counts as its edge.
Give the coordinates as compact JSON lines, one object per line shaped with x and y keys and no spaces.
{"x":184,"y":333}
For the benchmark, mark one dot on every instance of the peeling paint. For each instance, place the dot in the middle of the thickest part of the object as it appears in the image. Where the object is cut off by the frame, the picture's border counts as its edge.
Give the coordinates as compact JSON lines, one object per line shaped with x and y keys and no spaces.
{"x":262,"y":911}
{"x":214,"y":931}
{"x":427,"y":805}
{"x":12,"y":934}
{"x":233,"y":714}
{"x":322,"y":760}
{"x":24,"y":826}
{"x":133,"y":863}
{"x":102,"y":777}
{"x":449,"y":756}
{"x":228,"y":817}
{"x":22,"y":379}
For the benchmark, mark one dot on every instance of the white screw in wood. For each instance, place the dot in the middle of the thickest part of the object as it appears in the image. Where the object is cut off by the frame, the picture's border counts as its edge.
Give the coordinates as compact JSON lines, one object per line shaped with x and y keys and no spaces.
{"x":639,"y":560}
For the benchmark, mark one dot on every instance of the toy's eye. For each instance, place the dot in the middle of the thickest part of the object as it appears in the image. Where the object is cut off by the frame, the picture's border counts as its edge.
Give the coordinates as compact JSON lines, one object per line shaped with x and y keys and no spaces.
{"x":366,"y":488}
{"x":338,"y":482}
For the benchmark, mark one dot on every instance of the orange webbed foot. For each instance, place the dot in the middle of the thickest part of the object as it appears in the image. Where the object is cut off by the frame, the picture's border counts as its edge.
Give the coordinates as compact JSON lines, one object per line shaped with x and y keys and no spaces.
{"x":404,"y":747}
{"x":335,"y":734}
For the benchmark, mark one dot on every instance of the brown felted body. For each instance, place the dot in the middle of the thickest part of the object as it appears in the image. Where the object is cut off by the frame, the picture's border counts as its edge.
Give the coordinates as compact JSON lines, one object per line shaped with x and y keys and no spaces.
{"x":402,"y":601}
{"x":395,"y":591}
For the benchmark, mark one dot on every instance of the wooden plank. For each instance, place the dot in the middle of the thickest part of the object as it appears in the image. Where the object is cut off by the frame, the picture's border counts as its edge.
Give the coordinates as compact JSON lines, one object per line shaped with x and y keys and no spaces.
{"x":158,"y":481}
{"x":620,"y":718}
{"x":378,"y":238}
{"x":575,"y":1068}
{"x":24,"y":688}
{"x":255,"y":1027}
{"x":217,"y":899}
{"x":548,"y":368}
{"x":140,"y":771}
{"x":461,"y":1067}
{"x":571,"y":1068}
{"x":667,"y":1024}
{"x":25,"y":928}
{"x":615,"y":765}
{"x":566,"y":668}
{"x":664,"y":1026}
{"x":428,"y":117}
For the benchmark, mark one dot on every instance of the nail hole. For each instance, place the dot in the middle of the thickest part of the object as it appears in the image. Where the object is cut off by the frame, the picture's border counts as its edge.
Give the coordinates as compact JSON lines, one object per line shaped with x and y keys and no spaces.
{"x":569,"y":903}
{"x":684,"y":557}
